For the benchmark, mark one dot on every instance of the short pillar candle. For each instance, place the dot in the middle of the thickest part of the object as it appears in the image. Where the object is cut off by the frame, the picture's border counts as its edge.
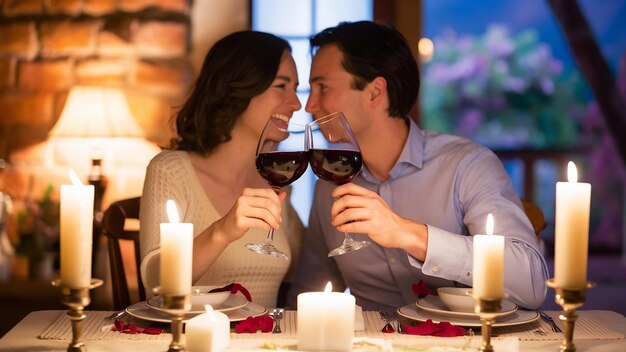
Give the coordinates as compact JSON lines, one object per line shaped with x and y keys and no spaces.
{"x":208,"y":332}
{"x":325,"y":320}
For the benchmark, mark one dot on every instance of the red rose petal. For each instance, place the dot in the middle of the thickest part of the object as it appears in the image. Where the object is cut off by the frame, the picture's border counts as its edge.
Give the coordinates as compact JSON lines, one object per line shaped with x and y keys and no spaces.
{"x":119,"y":325}
{"x":266,"y":322}
{"x":426,"y":328}
{"x":420,"y":289}
{"x":238,"y":288}
{"x":234,"y":288}
{"x":153,"y":331}
{"x":134,"y":329}
{"x":449,"y":330}
{"x":249,"y":325}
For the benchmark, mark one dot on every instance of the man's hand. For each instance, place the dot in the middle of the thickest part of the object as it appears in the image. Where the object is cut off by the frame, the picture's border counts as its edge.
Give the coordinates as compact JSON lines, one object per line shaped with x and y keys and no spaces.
{"x":359,"y":210}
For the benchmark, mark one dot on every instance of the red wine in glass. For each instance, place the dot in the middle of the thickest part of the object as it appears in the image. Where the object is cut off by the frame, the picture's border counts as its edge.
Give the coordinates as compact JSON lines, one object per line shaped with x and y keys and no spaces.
{"x":281,"y":158}
{"x":335,"y":165}
{"x":279,"y":168}
{"x":335,"y":157}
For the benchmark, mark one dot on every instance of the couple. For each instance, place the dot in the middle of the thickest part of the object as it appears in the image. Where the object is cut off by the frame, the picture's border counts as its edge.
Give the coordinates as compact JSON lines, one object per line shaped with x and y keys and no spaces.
{"x":419,"y":198}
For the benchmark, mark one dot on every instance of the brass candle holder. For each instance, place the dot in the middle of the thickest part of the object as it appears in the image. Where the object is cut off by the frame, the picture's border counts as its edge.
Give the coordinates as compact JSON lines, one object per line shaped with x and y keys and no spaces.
{"x":569,"y":300}
{"x":487,"y":310}
{"x":76,"y":299}
{"x":176,"y":305}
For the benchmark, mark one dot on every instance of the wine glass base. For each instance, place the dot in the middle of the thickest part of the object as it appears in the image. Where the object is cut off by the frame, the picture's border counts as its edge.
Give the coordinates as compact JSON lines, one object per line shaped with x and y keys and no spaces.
{"x":348,"y":246}
{"x":267,"y":248}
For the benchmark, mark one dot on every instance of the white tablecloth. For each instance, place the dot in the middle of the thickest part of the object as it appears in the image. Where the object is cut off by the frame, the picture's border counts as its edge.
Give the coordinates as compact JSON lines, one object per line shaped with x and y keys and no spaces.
{"x":24,"y":337}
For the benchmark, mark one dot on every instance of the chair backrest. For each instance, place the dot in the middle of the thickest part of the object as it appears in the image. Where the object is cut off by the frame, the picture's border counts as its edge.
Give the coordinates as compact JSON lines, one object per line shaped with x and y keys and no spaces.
{"x":113,"y":222}
{"x":536,"y":217}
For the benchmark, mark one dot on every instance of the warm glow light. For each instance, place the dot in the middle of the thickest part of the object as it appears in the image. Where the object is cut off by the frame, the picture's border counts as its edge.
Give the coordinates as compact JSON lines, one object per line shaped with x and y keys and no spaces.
{"x":96,"y":112}
{"x":572,"y":174}
{"x":490,"y":224}
{"x":329,"y":287}
{"x":426,"y":49}
{"x":172,"y":211}
{"x":75,"y":179}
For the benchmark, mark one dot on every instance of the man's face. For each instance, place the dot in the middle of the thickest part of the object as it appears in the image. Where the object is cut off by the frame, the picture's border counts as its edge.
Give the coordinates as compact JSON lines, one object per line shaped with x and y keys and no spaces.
{"x":331,"y":89}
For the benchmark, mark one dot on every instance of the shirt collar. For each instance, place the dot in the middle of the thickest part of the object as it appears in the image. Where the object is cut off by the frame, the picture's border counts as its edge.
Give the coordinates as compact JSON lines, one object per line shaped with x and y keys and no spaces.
{"x":411,"y":157}
{"x":413,"y":151}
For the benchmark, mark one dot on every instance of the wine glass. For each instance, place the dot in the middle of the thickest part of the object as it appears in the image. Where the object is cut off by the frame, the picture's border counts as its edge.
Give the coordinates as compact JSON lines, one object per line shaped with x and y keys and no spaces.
{"x":281,"y":158}
{"x":335,"y":157}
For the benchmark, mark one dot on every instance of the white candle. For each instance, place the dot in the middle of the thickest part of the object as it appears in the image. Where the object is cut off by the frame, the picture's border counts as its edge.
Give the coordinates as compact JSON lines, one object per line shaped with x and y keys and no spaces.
{"x":76,"y":227}
{"x":488,"y":266}
{"x":571,"y":232}
{"x":176,"y":253}
{"x":207,"y":332}
{"x":325,"y":320}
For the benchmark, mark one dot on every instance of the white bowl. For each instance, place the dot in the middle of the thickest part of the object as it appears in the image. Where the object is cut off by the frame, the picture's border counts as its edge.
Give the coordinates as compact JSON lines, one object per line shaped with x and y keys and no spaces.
{"x":200,"y":296}
{"x":457,"y":299}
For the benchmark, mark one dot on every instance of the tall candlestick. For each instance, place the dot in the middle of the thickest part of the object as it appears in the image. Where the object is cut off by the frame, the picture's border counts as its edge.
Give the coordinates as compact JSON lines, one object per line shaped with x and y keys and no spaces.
{"x":571,"y":232}
{"x":176,"y":254}
{"x":325,"y":320}
{"x":76,"y":227}
{"x":488,"y":266}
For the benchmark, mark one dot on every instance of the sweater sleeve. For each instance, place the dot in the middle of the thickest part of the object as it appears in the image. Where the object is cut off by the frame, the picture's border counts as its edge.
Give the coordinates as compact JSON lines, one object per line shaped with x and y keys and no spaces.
{"x":159,"y":186}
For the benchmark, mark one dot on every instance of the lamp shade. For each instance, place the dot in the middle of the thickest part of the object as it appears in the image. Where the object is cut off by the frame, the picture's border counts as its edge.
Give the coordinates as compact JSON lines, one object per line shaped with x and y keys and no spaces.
{"x":96,"y":112}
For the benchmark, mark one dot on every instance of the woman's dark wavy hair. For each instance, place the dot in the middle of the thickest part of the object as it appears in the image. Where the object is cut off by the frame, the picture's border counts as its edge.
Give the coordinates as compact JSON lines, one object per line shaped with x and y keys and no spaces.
{"x":371,"y":50}
{"x":237,"y":68}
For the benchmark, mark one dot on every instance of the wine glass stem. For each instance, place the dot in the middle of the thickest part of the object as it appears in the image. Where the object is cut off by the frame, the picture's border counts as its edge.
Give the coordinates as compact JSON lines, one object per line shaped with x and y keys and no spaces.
{"x":270,"y":236}
{"x":347,"y":239}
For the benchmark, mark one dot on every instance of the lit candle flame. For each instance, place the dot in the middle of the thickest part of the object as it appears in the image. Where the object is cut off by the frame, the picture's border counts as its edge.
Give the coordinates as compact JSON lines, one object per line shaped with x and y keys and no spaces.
{"x":172,"y":211}
{"x":572,"y":173}
{"x":490,"y":224}
{"x":329,"y":287}
{"x":210,"y":313}
{"x":75,"y":179}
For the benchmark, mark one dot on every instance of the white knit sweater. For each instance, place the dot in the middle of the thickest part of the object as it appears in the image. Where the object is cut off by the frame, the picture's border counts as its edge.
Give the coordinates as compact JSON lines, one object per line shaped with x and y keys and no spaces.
{"x":170,"y":175}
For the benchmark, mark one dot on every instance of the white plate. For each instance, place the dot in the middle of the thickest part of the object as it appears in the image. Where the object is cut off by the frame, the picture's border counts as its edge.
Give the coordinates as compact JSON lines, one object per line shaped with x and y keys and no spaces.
{"x":518,"y":317}
{"x":433,"y":304}
{"x":233,"y":302}
{"x":143,"y":311}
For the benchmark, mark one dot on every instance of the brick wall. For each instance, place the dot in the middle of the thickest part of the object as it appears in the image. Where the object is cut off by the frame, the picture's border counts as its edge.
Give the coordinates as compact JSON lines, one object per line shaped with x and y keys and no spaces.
{"x":48,"y":46}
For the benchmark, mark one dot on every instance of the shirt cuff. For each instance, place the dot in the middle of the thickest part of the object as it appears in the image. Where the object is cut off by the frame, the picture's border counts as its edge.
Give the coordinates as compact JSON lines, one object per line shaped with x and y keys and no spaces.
{"x":446,"y":256}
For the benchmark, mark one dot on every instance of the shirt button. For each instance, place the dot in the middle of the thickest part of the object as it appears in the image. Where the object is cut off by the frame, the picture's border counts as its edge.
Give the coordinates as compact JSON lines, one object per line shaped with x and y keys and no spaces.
{"x":392,"y":260}
{"x":434,"y":269}
{"x":468,"y":274}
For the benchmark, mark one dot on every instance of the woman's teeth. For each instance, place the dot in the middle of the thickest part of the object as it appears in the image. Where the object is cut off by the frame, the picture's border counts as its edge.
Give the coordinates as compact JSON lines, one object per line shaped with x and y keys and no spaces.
{"x":281,"y":117}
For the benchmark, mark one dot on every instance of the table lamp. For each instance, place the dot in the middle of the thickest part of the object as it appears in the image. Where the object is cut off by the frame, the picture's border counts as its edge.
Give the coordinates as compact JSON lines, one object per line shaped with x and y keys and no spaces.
{"x":96,"y":114}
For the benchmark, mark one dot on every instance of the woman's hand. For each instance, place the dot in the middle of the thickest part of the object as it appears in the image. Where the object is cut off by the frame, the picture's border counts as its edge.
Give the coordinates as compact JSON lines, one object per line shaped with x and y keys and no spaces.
{"x":255,"y":208}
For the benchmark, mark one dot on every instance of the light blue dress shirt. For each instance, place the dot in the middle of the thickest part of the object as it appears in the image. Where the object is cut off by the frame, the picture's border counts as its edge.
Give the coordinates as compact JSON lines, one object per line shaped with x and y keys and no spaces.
{"x":450,"y":184}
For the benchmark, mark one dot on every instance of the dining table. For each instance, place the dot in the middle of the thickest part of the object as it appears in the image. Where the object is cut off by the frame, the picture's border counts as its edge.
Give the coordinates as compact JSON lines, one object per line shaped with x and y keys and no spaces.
{"x":50,"y":330}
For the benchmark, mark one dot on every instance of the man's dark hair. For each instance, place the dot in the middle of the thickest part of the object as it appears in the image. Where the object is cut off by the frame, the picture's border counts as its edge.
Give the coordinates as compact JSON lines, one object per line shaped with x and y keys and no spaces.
{"x":372,"y":50}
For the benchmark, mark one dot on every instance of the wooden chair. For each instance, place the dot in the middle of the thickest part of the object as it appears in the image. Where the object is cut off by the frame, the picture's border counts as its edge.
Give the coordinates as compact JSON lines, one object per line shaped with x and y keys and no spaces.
{"x":536,"y":217}
{"x":113,"y":222}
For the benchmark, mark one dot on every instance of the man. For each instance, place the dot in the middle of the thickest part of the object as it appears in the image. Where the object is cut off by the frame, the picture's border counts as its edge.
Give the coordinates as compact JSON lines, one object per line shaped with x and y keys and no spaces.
{"x":420,"y":195}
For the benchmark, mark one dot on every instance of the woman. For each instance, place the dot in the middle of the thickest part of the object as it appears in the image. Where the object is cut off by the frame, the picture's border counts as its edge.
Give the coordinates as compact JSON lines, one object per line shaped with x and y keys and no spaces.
{"x":247,"y":77}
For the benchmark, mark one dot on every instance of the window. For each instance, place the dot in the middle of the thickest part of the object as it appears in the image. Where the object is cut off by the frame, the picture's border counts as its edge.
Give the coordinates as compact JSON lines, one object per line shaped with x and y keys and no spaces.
{"x":295,"y":21}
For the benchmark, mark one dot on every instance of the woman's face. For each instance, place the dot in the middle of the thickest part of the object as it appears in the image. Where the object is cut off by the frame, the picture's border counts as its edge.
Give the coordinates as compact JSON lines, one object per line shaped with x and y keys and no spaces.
{"x":279,"y":101}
